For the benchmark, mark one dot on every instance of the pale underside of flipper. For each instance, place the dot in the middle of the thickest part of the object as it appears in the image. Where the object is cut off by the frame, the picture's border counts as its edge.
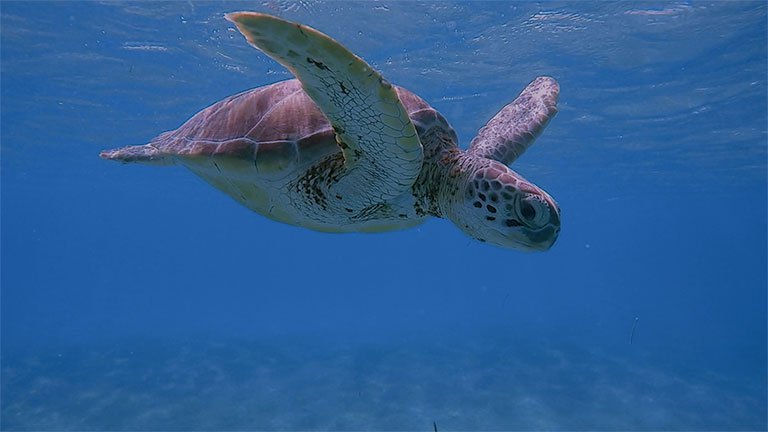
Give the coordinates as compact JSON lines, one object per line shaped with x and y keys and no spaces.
{"x":513,"y":129}
{"x":382,"y":152}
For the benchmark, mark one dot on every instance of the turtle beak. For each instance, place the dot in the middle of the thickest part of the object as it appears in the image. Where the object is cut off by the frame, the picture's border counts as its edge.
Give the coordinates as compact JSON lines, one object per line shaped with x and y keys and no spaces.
{"x":543,"y":239}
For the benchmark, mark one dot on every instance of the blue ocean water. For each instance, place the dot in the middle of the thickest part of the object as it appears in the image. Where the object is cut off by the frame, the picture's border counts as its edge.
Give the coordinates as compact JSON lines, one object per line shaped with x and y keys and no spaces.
{"x":140,"y":298}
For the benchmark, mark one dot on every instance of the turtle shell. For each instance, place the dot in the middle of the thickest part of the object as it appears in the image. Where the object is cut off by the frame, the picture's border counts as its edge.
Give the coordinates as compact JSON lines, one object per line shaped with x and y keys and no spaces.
{"x":277,"y":129}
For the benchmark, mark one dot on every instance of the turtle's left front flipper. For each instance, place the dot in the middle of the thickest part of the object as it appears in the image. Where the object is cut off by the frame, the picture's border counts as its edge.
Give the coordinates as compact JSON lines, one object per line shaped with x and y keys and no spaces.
{"x":382,"y":151}
{"x":513,"y":129}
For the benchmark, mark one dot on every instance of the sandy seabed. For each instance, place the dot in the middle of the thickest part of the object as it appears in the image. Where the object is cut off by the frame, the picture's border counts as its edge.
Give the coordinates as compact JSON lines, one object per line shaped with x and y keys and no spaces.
{"x":259,"y":385}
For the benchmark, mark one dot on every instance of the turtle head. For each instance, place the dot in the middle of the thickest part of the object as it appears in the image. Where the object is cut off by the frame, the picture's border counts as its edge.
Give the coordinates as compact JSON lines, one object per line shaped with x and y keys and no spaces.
{"x":496,"y":205}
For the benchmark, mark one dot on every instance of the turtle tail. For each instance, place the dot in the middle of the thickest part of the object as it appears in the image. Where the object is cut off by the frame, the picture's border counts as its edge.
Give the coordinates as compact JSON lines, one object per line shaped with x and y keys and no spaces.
{"x":146,"y":154}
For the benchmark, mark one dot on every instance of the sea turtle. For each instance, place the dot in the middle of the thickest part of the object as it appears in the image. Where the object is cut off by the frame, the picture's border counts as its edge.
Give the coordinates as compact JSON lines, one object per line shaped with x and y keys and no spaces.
{"x":340,"y":149}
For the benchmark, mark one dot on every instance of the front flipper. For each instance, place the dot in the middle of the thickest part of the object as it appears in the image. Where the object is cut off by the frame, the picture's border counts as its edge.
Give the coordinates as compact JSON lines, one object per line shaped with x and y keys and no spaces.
{"x":382,"y":152}
{"x":516,"y":126}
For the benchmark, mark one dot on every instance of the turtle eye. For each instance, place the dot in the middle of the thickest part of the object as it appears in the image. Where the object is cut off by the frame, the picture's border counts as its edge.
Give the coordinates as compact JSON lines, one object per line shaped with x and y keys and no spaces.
{"x":527,"y":211}
{"x":533,"y":212}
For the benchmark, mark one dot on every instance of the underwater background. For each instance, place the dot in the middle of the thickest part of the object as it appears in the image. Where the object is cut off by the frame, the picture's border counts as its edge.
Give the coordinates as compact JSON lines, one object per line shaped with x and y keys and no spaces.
{"x":140,"y":298}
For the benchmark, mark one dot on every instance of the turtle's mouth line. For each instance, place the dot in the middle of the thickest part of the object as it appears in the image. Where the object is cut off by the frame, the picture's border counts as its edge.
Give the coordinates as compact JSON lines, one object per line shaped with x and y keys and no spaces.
{"x":530,"y":245}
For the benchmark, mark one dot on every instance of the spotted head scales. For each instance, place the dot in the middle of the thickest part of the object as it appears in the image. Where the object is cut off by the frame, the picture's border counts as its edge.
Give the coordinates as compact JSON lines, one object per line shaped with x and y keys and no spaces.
{"x":340,"y":149}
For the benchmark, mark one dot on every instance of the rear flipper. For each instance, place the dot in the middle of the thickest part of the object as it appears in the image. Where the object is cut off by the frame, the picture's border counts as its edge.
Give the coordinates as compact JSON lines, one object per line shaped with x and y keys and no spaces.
{"x":146,"y":154}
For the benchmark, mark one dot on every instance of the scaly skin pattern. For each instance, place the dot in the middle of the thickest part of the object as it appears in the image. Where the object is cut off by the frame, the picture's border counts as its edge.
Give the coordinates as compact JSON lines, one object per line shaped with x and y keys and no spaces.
{"x":342,"y":150}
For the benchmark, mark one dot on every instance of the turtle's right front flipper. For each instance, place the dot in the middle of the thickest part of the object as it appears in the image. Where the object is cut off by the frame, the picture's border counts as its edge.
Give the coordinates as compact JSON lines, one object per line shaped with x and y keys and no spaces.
{"x":513,"y":129}
{"x":382,"y":151}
